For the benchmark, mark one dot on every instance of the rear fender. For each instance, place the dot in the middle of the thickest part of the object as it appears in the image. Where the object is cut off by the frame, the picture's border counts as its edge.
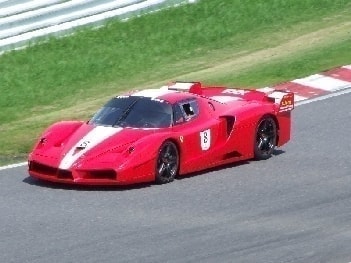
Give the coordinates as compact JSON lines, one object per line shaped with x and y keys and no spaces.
{"x":284,"y":105}
{"x":284,"y":124}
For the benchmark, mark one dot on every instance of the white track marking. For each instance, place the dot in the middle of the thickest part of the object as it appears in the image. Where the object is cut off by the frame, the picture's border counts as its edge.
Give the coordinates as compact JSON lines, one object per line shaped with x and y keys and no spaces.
{"x":330,"y":95}
{"x":347,"y":67}
{"x":10,"y":166}
{"x":319,"y":81}
{"x":298,"y":98}
{"x":64,"y":24}
{"x":266,"y":89}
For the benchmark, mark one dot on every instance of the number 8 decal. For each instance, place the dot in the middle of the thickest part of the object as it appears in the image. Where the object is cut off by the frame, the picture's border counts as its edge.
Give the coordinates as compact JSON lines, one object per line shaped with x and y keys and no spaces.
{"x":205,"y":137}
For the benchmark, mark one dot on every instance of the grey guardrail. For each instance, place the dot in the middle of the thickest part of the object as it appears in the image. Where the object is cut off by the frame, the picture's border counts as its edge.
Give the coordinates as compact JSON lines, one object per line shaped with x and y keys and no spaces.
{"x":23,"y":22}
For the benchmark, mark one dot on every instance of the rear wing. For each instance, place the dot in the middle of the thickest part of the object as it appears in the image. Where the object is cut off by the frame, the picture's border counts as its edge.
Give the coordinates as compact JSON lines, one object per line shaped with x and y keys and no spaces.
{"x":282,"y":99}
{"x":285,"y":100}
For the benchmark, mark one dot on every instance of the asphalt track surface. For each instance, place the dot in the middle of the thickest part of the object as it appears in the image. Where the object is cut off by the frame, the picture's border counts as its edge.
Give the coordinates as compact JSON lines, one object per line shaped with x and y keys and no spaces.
{"x":294,"y":207}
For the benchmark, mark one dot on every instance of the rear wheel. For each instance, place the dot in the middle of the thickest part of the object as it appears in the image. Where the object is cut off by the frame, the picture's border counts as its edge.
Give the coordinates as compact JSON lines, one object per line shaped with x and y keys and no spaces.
{"x":266,"y":138}
{"x":167,"y":164}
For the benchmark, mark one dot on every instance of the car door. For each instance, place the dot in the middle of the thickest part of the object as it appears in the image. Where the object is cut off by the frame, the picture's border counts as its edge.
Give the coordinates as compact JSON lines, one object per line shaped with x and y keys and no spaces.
{"x":197,"y":133}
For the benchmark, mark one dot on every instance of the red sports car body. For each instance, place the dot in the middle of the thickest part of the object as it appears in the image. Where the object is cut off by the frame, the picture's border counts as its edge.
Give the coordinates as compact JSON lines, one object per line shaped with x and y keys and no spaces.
{"x":157,"y":134}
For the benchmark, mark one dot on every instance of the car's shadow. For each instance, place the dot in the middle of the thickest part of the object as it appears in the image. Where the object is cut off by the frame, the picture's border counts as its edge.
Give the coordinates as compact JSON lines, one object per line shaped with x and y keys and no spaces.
{"x":214,"y":169}
{"x":47,"y":184}
{"x":278,"y":152}
{"x":225,"y":166}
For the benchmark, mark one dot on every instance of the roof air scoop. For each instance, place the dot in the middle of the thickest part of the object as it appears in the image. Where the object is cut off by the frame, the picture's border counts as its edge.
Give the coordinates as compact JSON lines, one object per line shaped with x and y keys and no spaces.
{"x":192,"y":87}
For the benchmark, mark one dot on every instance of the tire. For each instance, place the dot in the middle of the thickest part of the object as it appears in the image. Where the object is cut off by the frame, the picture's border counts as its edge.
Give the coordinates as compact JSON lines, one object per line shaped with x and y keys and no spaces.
{"x":167,"y":164}
{"x":265,"y":138}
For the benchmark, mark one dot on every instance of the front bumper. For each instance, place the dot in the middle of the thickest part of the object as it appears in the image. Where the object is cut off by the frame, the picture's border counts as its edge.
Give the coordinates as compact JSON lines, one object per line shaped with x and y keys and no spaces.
{"x":90,"y":176}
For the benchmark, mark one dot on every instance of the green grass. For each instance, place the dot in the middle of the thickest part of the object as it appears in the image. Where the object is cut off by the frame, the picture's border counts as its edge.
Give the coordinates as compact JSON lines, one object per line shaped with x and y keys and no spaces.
{"x":70,"y":77}
{"x":291,"y":67}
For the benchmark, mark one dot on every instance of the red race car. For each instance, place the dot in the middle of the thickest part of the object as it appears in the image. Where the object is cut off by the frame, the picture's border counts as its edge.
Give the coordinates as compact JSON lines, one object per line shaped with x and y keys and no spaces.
{"x":158,"y":134}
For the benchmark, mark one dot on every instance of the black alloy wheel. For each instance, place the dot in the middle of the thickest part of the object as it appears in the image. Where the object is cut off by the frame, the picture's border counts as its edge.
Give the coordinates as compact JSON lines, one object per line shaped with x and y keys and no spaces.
{"x":266,"y":138}
{"x":167,"y":164}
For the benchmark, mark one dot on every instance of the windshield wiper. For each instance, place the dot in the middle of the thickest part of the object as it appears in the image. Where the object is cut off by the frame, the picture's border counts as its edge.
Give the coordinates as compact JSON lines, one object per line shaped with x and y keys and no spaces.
{"x":125,"y":113}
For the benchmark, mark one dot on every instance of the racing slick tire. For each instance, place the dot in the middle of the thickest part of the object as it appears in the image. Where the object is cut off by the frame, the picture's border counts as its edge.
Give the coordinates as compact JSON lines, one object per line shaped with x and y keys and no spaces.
{"x":265,"y":138}
{"x":167,"y":163}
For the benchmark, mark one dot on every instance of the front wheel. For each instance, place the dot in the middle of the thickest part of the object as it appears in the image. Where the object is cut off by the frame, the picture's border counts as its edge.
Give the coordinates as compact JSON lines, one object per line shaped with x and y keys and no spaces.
{"x":167,"y":164}
{"x":265,"y":139}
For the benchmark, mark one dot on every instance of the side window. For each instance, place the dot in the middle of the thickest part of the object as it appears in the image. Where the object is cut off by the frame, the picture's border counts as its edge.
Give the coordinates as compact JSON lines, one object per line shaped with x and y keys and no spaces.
{"x":190,"y":109}
{"x":178,"y":116}
{"x":185,"y":111}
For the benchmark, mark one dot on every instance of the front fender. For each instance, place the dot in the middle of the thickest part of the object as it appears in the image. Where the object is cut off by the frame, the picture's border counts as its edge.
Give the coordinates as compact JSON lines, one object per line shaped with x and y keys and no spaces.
{"x":57,"y":133}
{"x":140,"y":159}
{"x":146,"y":149}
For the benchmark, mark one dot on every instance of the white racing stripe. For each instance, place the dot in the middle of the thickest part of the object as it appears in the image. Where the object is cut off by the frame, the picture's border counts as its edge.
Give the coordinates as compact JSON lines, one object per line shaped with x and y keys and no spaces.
{"x":93,"y":138}
{"x":153,"y":93}
{"x":319,"y":81}
{"x":225,"y":99}
{"x":184,"y":86}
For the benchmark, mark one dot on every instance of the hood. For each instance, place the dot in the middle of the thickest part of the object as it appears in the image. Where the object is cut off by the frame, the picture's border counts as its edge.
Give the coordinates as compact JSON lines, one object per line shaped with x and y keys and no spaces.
{"x":89,"y":141}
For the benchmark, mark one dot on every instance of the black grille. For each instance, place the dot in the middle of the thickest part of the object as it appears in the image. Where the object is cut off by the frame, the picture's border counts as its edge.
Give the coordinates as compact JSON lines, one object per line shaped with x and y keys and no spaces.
{"x":64,"y":174}
{"x":42,"y":169}
{"x":103,"y":174}
{"x":50,"y":171}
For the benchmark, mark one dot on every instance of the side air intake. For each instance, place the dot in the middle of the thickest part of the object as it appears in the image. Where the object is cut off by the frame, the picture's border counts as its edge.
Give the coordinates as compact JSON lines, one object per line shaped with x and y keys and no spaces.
{"x":230,"y":120}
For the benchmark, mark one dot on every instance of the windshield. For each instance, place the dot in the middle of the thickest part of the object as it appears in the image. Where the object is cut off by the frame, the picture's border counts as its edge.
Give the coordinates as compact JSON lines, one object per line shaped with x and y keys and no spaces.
{"x":135,"y":112}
